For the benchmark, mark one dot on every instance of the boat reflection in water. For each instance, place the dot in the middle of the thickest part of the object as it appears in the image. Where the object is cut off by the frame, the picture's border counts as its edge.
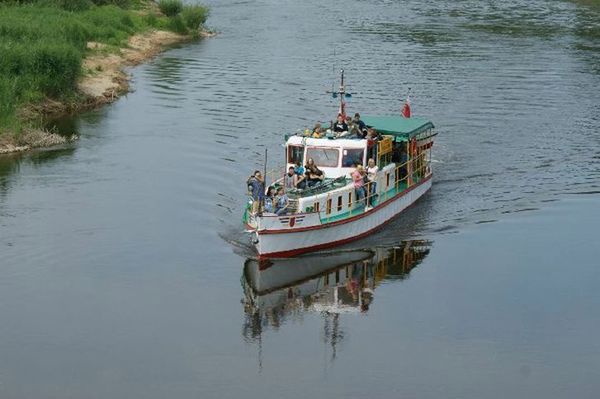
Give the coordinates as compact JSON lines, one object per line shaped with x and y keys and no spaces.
{"x":331,"y":284}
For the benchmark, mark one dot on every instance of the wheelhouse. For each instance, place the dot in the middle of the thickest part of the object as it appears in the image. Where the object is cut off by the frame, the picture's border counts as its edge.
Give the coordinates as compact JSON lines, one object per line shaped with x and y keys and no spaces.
{"x":335,"y":158}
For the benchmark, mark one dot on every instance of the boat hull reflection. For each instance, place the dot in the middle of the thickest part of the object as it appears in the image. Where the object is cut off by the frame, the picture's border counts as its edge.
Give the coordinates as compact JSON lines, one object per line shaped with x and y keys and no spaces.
{"x":337,"y":282}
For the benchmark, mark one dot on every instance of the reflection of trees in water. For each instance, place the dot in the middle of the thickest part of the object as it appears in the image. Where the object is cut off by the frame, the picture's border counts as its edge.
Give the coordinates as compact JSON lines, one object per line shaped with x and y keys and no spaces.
{"x":346,"y":288}
{"x":587,"y":34}
{"x":11,"y":164}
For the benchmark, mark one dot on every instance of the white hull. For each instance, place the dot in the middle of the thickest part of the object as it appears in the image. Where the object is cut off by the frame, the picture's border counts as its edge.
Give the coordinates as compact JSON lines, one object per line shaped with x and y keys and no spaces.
{"x":294,"y":241}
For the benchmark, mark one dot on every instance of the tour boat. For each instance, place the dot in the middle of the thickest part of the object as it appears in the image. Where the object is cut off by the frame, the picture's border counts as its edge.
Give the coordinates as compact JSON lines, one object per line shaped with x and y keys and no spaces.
{"x":330,"y":214}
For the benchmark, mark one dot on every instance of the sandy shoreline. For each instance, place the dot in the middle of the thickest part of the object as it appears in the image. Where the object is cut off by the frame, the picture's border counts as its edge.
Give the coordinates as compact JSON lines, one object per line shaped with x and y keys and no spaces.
{"x":103,"y":82}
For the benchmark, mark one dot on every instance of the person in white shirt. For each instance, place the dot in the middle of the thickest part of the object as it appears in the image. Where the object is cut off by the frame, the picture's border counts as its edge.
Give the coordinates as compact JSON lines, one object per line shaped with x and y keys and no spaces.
{"x":371,"y":170}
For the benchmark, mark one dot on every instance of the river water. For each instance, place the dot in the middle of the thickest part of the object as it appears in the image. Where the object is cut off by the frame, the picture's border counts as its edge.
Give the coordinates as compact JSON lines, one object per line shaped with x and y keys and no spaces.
{"x":124,"y":271}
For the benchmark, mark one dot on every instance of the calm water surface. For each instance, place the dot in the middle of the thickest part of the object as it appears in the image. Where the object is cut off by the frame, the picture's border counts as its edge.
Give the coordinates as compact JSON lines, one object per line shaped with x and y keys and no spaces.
{"x":124,"y":272}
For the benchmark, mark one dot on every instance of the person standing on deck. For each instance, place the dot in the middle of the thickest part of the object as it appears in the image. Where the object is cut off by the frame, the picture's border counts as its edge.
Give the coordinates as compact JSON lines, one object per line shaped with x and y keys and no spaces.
{"x":256,"y":189}
{"x":358,"y":179}
{"x":371,"y":170}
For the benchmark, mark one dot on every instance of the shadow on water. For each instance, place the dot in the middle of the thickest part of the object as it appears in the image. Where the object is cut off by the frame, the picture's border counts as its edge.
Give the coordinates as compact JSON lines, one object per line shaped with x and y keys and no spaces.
{"x":331,"y":284}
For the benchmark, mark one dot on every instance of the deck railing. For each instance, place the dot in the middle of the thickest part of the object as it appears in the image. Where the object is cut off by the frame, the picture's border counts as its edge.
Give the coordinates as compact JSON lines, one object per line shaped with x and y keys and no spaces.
{"x":405,"y":175}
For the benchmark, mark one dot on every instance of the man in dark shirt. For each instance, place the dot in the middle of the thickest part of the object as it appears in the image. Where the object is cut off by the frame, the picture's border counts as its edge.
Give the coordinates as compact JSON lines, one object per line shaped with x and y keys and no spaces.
{"x":362,"y":127}
{"x":340,"y":125}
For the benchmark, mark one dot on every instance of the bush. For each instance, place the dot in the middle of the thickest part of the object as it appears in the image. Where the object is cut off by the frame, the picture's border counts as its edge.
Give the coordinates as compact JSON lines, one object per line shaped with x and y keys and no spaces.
{"x":170,"y":8}
{"x":176,"y":24}
{"x":118,"y":3}
{"x":194,"y":16}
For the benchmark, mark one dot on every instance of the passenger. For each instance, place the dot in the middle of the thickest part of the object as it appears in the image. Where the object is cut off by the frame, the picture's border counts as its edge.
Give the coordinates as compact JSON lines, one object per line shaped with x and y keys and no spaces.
{"x":269,"y":197}
{"x":299,"y":170}
{"x":372,"y":138}
{"x":291,"y":179}
{"x":349,"y":123}
{"x":313,"y":174}
{"x":360,"y":124}
{"x":371,"y":171}
{"x":358,"y":179}
{"x":281,"y":203}
{"x":256,"y":189}
{"x":317,"y":131}
{"x":355,"y":133}
{"x":340,"y":126}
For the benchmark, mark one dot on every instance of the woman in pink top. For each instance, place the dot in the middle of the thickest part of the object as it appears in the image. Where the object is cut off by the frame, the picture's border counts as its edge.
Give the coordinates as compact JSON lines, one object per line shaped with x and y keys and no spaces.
{"x":358,"y":179}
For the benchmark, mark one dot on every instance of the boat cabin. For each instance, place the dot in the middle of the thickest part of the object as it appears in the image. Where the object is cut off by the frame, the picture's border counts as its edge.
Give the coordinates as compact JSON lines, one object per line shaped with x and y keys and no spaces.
{"x":335,"y":157}
{"x":338,"y":157}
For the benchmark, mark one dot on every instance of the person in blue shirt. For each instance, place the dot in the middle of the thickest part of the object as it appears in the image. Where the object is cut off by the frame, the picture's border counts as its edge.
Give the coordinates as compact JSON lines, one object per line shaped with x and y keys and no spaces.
{"x":269,"y":198}
{"x":281,"y":202}
{"x":256,"y":189}
{"x":299,"y":171}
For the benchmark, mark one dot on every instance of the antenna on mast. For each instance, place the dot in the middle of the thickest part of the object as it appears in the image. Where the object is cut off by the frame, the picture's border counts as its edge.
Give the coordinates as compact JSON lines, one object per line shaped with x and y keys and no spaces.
{"x":341,"y":92}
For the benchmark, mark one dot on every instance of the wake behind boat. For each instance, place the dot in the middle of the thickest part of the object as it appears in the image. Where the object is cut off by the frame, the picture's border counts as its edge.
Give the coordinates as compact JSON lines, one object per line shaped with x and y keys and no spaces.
{"x":333,"y":199}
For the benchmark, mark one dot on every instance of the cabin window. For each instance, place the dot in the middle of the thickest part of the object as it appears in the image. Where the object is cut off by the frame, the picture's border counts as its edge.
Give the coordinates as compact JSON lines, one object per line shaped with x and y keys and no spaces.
{"x":350,"y":200}
{"x":295,"y":153}
{"x":339,"y":205}
{"x":387,"y":180}
{"x":317,"y":207}
{"x":327,"y":157}
{"x":352,"y":157}
{"x":328,"y":206}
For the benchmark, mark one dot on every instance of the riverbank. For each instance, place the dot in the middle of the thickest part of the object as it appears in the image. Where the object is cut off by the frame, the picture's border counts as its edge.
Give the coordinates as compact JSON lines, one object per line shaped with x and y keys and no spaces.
{"x":83,"y":74}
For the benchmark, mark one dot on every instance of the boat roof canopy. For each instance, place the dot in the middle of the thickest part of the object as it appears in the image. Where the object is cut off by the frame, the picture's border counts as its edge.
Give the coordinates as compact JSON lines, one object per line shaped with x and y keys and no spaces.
{"x":398,"y":126}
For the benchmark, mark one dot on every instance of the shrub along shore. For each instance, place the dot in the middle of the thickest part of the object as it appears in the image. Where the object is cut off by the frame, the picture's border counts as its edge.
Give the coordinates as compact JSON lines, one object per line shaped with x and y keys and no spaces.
{"x":63,"y":56}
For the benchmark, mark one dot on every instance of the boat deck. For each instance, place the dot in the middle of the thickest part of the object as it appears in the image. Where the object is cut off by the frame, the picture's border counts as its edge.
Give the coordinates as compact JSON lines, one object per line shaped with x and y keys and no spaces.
{"x":360,"y":209}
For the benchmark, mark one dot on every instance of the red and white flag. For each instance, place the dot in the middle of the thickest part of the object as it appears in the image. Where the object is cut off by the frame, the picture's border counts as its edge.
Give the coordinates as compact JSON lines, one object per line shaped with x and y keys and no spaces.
{"x":406,"y":107}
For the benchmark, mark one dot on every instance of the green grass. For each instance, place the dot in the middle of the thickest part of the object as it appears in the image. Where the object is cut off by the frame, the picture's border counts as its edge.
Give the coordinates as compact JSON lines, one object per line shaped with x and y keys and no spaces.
{"x":43,"y":43}
{"x":170,"y":8}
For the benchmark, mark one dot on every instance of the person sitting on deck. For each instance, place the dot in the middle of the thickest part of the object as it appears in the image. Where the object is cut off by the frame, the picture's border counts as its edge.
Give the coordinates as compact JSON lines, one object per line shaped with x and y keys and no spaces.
{"x":358,"y":179}
{"x":299,"y":170}
{"x":360,"y":124}
{"x":291,"y":179}
{"x":281,"y":202}
{"x":269,"y":197}
{"x":256,"y":189}
{"x":349,"y":123}
{"x":340,"y":127}
{"x":313,"y":174}
{"x":318,"y":132}
{"x":371,"y":170}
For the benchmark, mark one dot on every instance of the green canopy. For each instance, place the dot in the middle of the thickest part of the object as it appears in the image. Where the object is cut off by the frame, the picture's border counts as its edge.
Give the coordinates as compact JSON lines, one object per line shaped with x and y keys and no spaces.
{"x":398,"y":126}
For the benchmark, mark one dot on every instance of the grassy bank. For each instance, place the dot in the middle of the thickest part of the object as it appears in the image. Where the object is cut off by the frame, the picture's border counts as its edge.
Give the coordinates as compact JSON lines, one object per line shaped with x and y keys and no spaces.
{"x":43,"y":44}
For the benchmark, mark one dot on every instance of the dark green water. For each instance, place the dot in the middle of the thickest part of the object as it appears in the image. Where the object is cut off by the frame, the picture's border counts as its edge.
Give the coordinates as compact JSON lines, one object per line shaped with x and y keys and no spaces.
{"x":124,"y":272}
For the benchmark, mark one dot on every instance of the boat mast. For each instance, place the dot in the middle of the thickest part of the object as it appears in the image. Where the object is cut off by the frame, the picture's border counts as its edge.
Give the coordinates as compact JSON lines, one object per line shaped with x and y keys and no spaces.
{"x":342,"y":94}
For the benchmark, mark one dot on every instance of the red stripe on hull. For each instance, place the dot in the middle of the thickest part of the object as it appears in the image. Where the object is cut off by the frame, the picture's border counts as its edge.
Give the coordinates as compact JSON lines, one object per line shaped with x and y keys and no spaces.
{"x":300,"y":251}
